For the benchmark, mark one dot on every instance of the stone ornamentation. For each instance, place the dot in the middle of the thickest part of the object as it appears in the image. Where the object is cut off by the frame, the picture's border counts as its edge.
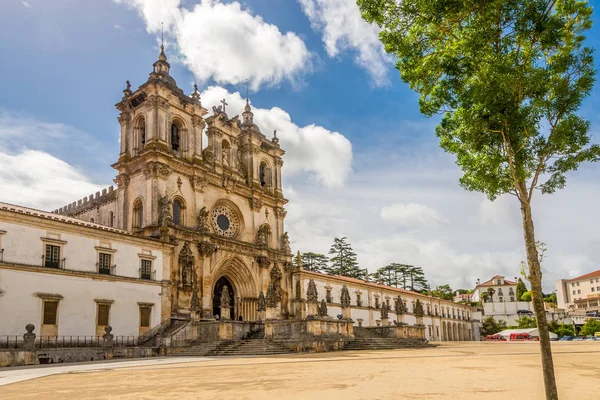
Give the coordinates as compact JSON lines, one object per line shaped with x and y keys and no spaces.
{"x":323,"y":309}
{"x":272,"y":297}
{"x":225,"y":302}
{"x":345,"y":297}
{"x":198,"y":183}
{"x":164,"y":211}
{"x":311,"y":292}
{"x":205,"y":249}
{"x":262,"y":236}
{"x":276,"y":281}
{"x":208,"y":155}
{"x":262,"y":303}
{"x":400,"y":307}
{"x":285,"y":243}
{"x":263,"y":261}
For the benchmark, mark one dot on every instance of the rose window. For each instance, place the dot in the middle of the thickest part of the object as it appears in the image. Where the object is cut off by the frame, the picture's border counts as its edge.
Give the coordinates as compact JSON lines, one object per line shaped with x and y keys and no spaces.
{"x":225,"y":221}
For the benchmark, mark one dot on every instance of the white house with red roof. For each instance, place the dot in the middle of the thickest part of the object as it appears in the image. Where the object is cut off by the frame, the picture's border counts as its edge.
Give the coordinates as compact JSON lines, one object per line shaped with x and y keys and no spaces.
{"x":579,"y":294}
{"x":498,"y":289}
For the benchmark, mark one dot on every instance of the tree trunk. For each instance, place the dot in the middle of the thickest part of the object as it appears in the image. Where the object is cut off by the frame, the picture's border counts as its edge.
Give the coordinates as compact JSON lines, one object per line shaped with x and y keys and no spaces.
{"x":535,"y":277}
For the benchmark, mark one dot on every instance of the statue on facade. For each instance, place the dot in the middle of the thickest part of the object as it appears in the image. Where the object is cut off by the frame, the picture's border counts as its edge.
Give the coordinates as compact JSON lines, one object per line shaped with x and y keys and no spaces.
{"x":262,"y":303}
{"x":285,"y":243}
{"x":418,"y":309}
{"x":164,"y":211}
{"x":262,"y":236}
{"x":276,"y":281}
{"x":384,"y":310}
{"x":272,"y":298}
{"x":323,"y":309}
{"x":186,"y":261}
{"x":400,"y":307}
{"x":202,"y":223}
{"x":225,"y":300}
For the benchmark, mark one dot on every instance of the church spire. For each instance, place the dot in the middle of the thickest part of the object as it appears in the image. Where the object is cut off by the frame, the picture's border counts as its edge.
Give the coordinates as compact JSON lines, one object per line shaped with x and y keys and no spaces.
{"x":248,"y":115}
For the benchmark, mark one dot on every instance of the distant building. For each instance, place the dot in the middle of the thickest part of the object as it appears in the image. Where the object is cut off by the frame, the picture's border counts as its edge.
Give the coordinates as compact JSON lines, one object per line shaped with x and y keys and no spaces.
{"x":466,"y":298}
{"x":579,"y":294}
{"x":502,"y":290}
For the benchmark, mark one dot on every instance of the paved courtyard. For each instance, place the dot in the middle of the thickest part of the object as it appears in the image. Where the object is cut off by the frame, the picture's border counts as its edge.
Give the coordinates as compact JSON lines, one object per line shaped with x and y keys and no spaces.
{"x":451,"y":371}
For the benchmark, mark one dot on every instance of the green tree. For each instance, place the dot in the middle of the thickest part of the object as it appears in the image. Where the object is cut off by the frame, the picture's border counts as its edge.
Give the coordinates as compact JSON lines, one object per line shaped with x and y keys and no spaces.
{"x":509,"y":77}
{"x":565,"y":330}
{"x":444,"y":292}
{"x":484,"y":297}
{"x":343,"y":260}
{"x":526,"y":296}
{"x":490,"y":326}
{"x":521,"y":288}
{"x":590,"y":327}
{"x":526,"y":322}
{"x":314,"y":261}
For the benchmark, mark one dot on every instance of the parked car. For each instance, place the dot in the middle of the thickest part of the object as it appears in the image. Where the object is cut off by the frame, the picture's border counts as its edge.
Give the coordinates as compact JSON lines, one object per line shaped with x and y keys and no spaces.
{"x":578,"y":339}
{"x":591,"y":339}
{"x":521,"y":337}
{"x":524,"y":312}
{"x":495,"y":338}
{"x":554,"y":339}
{"x":566,"y":338}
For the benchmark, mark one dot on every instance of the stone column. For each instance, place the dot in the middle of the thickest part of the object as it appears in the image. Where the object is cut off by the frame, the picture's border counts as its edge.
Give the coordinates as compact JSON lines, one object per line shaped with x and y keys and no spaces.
{"x":107,"y":337}
{"x":271,"y":302}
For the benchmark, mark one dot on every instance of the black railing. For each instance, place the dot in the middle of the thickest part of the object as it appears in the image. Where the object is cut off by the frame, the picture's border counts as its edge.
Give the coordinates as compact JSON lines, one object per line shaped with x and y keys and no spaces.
{"x":147,"y":275}
{"x":106,"y":269}
{"x":55,"y":342}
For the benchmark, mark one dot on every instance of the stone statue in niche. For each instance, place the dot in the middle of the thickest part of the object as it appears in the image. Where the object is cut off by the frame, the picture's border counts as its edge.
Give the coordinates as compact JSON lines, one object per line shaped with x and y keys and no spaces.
{"x":262,"y":236}
{"x":202,"y":220}
{"x":186,"y":261}
{"x":224,"y":160}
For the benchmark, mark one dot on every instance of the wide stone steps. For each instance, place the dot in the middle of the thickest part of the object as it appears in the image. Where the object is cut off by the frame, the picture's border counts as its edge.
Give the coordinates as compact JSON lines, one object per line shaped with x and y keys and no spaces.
{"x":385,"y":344}
{"x":233,"y":348}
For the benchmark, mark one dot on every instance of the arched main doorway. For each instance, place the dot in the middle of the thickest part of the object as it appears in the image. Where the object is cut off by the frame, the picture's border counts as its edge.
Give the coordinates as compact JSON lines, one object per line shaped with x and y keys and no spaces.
{"x":217,"y":291}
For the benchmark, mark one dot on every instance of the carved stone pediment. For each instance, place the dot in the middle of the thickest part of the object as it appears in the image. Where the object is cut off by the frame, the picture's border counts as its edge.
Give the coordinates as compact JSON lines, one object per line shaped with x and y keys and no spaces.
{"x":263,"y":261}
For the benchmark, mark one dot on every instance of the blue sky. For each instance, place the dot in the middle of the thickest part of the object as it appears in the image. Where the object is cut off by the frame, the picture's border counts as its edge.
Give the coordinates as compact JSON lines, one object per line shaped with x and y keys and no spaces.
{"x":394,"y":193}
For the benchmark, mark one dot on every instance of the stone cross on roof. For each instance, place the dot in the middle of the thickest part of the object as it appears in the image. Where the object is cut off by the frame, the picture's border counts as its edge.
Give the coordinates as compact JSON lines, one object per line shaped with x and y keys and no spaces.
{"x":224,"y":104}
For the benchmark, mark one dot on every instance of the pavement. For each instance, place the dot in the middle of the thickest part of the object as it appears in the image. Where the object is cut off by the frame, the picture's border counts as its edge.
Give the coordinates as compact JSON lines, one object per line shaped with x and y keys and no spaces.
{"x":455,"y":370}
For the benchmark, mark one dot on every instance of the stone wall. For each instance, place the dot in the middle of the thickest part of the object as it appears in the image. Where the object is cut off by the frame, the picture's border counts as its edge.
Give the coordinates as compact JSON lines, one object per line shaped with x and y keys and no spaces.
{"x":223,"y":330}
{"x":401,"y":331}
{"x":11,"y":358}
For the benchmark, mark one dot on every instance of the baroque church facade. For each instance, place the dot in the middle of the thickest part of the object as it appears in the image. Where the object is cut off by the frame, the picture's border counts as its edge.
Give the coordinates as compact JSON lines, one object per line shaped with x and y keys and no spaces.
{"x":220,"y":203}
{"x":193,"y":232}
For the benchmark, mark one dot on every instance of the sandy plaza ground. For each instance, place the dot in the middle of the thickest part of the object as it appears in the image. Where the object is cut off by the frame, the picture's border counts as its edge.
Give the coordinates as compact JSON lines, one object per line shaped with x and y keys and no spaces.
{"x":464,"y":370}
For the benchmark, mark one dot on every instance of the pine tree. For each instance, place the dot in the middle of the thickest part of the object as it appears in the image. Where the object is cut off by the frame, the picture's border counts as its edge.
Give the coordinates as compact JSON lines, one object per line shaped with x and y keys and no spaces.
{"x":343,"y":260}
{"x":314,"y":262}
{"x":521,"y":288}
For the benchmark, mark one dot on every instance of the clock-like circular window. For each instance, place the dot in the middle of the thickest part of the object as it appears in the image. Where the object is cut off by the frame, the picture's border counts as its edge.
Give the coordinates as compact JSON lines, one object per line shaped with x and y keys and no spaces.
{"x":225,"y":221}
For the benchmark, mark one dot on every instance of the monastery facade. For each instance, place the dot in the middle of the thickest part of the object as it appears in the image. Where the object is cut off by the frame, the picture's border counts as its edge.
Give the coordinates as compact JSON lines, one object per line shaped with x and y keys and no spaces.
{"x":192,"y":232}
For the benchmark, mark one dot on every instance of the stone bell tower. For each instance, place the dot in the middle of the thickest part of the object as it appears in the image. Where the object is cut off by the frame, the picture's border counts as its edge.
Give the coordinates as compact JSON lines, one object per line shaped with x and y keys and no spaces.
{"x":222,"y":203}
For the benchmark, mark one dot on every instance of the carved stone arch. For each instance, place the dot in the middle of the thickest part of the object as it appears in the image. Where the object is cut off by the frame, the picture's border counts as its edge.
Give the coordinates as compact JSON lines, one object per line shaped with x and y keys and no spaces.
{"x":244,"y":285}
{"x":266,"y":173}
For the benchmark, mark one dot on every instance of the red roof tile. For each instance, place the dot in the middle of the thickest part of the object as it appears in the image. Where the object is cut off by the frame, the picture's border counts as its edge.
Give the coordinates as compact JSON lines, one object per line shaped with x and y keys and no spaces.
{"x":587,"y":276}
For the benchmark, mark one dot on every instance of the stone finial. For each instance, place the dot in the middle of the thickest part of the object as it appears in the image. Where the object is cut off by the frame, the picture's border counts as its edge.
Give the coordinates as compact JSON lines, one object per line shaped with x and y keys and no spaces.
{"x":311,"y":292}
{"x":225,"y":301}
{"x":195,"y":95}
{"x":275,"y":139}
{"x":299,"y":261}
{"x":127,"y":92}
{"x":262,"y":303}
{"x":384,"y":310}
{"x":345,"y":297}
{"x":323,"y":309}
{"x":418,"y":309}
{"x":400,"y":307}
{"x":285,"y":243}
{"x":108,"y":336}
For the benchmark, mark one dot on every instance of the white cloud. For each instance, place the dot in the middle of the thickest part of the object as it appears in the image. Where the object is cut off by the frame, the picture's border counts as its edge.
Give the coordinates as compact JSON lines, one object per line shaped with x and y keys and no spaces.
{"x":411,"y":214}
{"x":37,"y":179}
{"x":26,"y":4}
{"x":344,"y":30}
{"x":227,"y":43}
{"x":311,"y":149}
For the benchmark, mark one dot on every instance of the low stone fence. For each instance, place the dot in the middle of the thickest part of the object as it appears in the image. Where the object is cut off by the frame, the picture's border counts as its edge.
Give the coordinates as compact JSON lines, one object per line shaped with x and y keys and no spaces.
{"x":208,"y":331}
{"x":391,"y":331}
{"x":18,"y":357}
{"x":317,"y":326}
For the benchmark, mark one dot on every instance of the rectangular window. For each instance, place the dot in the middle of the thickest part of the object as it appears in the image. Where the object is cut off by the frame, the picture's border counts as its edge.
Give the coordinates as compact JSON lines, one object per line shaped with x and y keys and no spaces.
{"x":52,"y":257}
{"x":577,"y":283}
{"x":146,"y":269}
{"x":104,"y":263}
{"x":592,"y":289}
{"x":376,"y":302}
{"x":50,"y":312}
{"x":578,"y":291}
{"x":501,"y":299}
{"x":103,"y":314}
{"x":145,"y":314}
{"x":328,"y":296}
{"x":572,"y":285}
{"x":358,"y":301}
{"x":574,"y":292}
{"x":598,"y":288}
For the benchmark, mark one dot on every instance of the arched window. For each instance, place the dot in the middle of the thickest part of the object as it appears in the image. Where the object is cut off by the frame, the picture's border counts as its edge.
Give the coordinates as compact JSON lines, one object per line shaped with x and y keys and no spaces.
{"x":225,"y":153}
{"x":175,"y":136}
{"x":92,"y":220}
{"x":265,"y":175}
{"x":111,"y":219}
{"x":177,"y":212}
{"x":140,"y":132}
{"x":138,"y":214}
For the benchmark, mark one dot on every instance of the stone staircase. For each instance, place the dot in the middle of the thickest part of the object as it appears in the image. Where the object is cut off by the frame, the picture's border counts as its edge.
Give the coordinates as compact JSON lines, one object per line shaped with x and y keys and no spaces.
{"x":379,"y":343}
{"x":243,"y":347}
